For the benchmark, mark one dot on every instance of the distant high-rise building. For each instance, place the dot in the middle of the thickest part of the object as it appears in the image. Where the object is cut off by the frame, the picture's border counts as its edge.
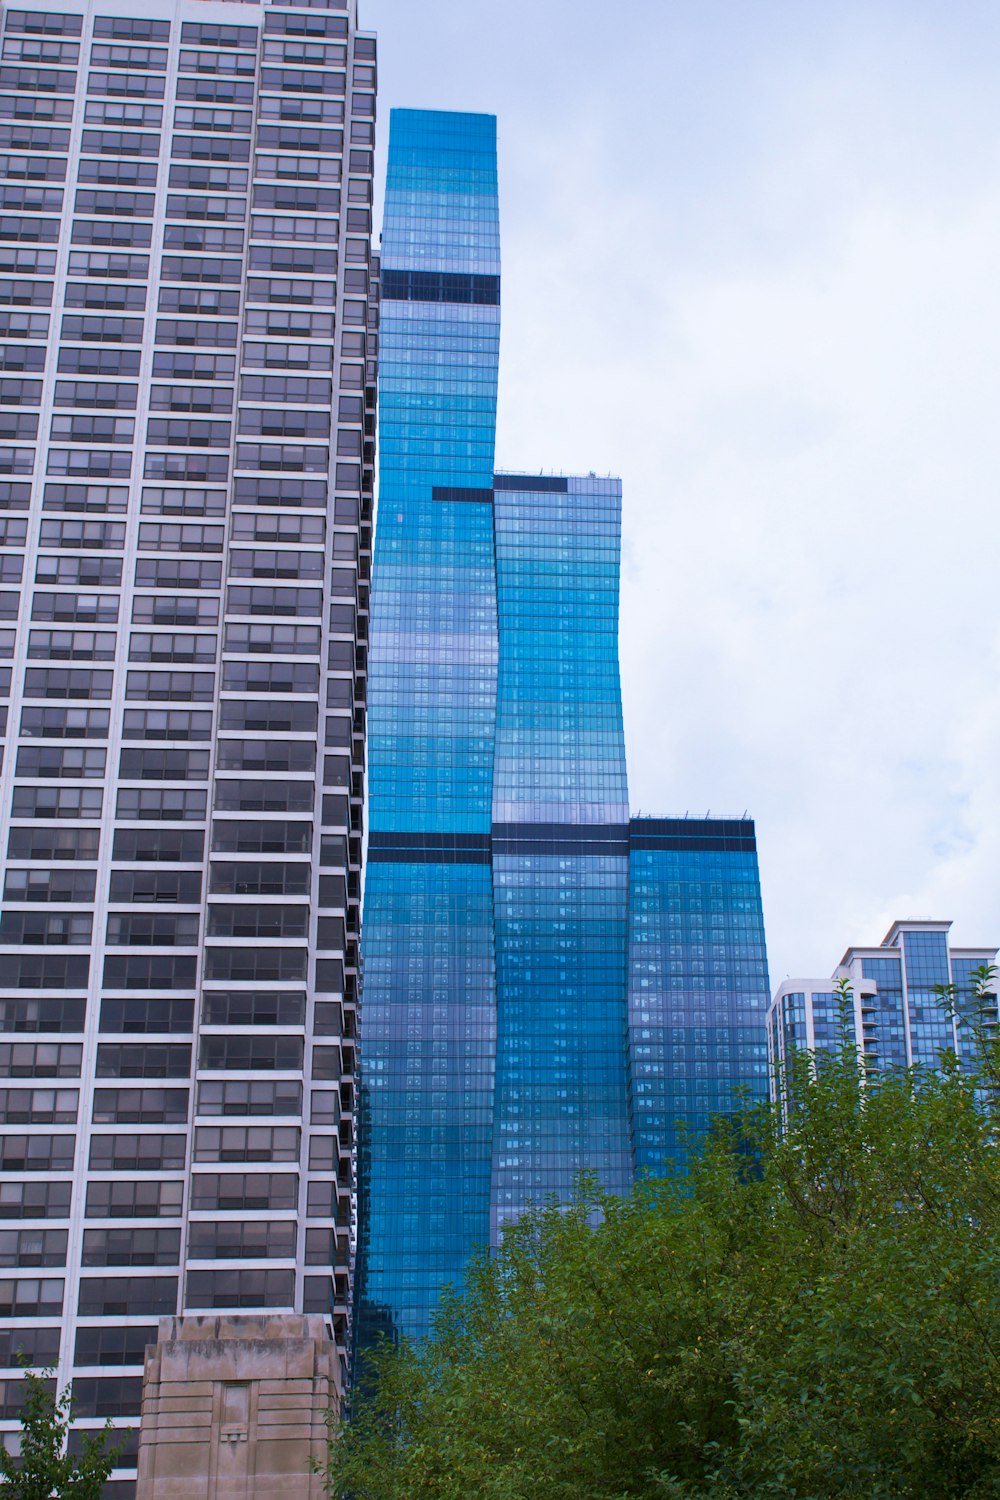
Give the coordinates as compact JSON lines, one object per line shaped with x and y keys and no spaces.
{"x":896,"y":1017}
{"x":697,"y":990}
{"x":187,"y":380}
{"x":547,"y":986}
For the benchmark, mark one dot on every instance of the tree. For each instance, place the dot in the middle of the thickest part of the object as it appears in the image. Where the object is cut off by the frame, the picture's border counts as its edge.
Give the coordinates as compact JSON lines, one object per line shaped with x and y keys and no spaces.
{"x":44,"y":1469}
{"x":812,"y":1313}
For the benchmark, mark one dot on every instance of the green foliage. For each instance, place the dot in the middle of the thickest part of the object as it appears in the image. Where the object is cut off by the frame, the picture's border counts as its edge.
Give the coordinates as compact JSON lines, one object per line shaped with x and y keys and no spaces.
{"x":814,"y":1312}
{"x":44,"y":1470}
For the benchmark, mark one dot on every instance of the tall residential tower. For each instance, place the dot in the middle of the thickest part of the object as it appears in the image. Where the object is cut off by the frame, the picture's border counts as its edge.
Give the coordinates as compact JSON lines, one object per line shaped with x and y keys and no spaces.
{"x":548,"y":987}
{"x":187,"y":379}
{"x":895,"y":1016}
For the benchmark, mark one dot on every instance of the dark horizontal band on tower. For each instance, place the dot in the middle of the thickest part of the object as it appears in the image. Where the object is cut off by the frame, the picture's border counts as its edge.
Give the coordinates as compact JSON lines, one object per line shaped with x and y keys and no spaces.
{"x":731,"y":835}
{"x":430,"y":848}
{"x":560,"y":838}
{"x":449,"y":492}
{"x":534,"y":483}
{"x":441,"y":286}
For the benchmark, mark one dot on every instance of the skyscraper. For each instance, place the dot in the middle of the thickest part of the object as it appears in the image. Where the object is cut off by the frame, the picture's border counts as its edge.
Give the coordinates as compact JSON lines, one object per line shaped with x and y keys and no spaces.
{"x":514,"y":919}
{"x":896,"y":1017}
{"x":188,"y":372}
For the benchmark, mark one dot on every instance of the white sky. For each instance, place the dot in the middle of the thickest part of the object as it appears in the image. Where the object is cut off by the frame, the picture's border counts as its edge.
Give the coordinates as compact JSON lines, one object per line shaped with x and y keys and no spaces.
{"x":751,"y":255}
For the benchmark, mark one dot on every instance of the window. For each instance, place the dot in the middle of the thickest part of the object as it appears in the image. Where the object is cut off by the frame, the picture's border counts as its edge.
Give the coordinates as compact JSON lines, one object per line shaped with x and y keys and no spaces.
{"x":310,"y":492}
{"x":38,"y":1107}
{"x":123,"y":114}
{"x":111,"y":394}
{"x":266,"y":227}
{"x":188,"y":434}
{"x":163,"y":765}
{"x":115,"y":1344}
{"x":158,"y":845}
{"x":257,"y":1008}
{"x":248,"y":1240}
{"x":191,"y":398}
{"x":106,"y":330}
{"x":211,"y":90}
{"x":60,"y":761}
{"x":164,"y":646}
{"x":252,"y":878}
{"x":177,"y":573}
{"x":37,"y":81}
{"x":181,"y":207}
{"x":82,"y":607}
{"x":128,"y":57}
{"x":143,"y":1060}
{"x":71,"y":645}
{"x":151,"y":1016}
{"x":182,"y":687}
{"x":241,"y":1097}
{"x":133,"y":1200}
{"x":219,"y":1192}
{"x":118,"y":173}
{"x":313,"y":424}
{"x":100,"y":232}
{"x":53,"y":843}
{"x":304,"y":603}
{"x":166,"y":724}
{"x":137,"y":1153}
{"x":109,"y":298}
{"x":195,"y":331}
{"x":131,"y":30}
{"x":246,"y":1143}
{"x":209,"y":179}
{"x":148,"y":1106}
{"x":191,"y":268}
{"x":280,"y":356}
{"x":40,"y":1060}
{"x":179,"y":502}
{"x":246,"y":836}
{"x":50,"y":885}
{"x":45,"y":927}
{"x":66,"y":682}
{"x":262,"y":717}
{"x":193,"y":366}
{"x":56,"y":802}
{"x":31,"y":1297}
{"x":50,"y":23}
{"x":293,"y":640}
{"x":37,"y":1153}
{"x":124,"y":85}
{"x":240,"y":1289}
{"x":209,"y":148}
{"x":156,"y":929}
{"x":99,"y":361}
{"x":210,"y":34}
{"x":121,"y":143}
{"x":123,"y":1296}
{"x":238,"y":121}
{"x":255,"y":965}
{"x":166,"y":804}
{"x":90,"y":430}
{"x":257,"y":921}
{"x":306,"y":25}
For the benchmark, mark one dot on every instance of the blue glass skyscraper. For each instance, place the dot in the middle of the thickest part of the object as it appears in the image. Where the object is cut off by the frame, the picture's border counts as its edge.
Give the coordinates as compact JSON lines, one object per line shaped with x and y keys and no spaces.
{"x":536,"y":998}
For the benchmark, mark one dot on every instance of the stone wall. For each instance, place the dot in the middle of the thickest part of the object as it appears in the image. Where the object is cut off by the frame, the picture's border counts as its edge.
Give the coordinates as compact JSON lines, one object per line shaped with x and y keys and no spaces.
{"x":234,"y":1408}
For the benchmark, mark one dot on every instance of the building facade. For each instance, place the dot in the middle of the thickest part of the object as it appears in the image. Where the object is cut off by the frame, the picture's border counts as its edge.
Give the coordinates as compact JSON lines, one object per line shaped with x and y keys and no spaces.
{"x":538,"y":971}
{"x":187,"y":381}
{"x":895,"y":1016}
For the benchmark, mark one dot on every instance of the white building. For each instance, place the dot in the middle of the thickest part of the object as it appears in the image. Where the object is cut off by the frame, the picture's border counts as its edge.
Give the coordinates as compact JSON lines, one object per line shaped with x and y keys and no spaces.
{"x":187,"y":387}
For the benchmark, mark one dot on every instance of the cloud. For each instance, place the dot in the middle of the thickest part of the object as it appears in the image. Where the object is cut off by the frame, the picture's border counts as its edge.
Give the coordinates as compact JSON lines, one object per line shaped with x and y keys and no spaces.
{"x":753,"y":270}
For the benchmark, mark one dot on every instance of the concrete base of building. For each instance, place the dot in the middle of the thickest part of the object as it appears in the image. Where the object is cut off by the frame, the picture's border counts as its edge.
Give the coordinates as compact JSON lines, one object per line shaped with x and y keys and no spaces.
{"x":236,"y":1407}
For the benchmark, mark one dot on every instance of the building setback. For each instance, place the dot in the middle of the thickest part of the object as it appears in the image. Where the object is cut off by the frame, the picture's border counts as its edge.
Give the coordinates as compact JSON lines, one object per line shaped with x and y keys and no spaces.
{"x":514,"y":918}
{"x":895,"y":1016}
{"x":187,"y":379}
